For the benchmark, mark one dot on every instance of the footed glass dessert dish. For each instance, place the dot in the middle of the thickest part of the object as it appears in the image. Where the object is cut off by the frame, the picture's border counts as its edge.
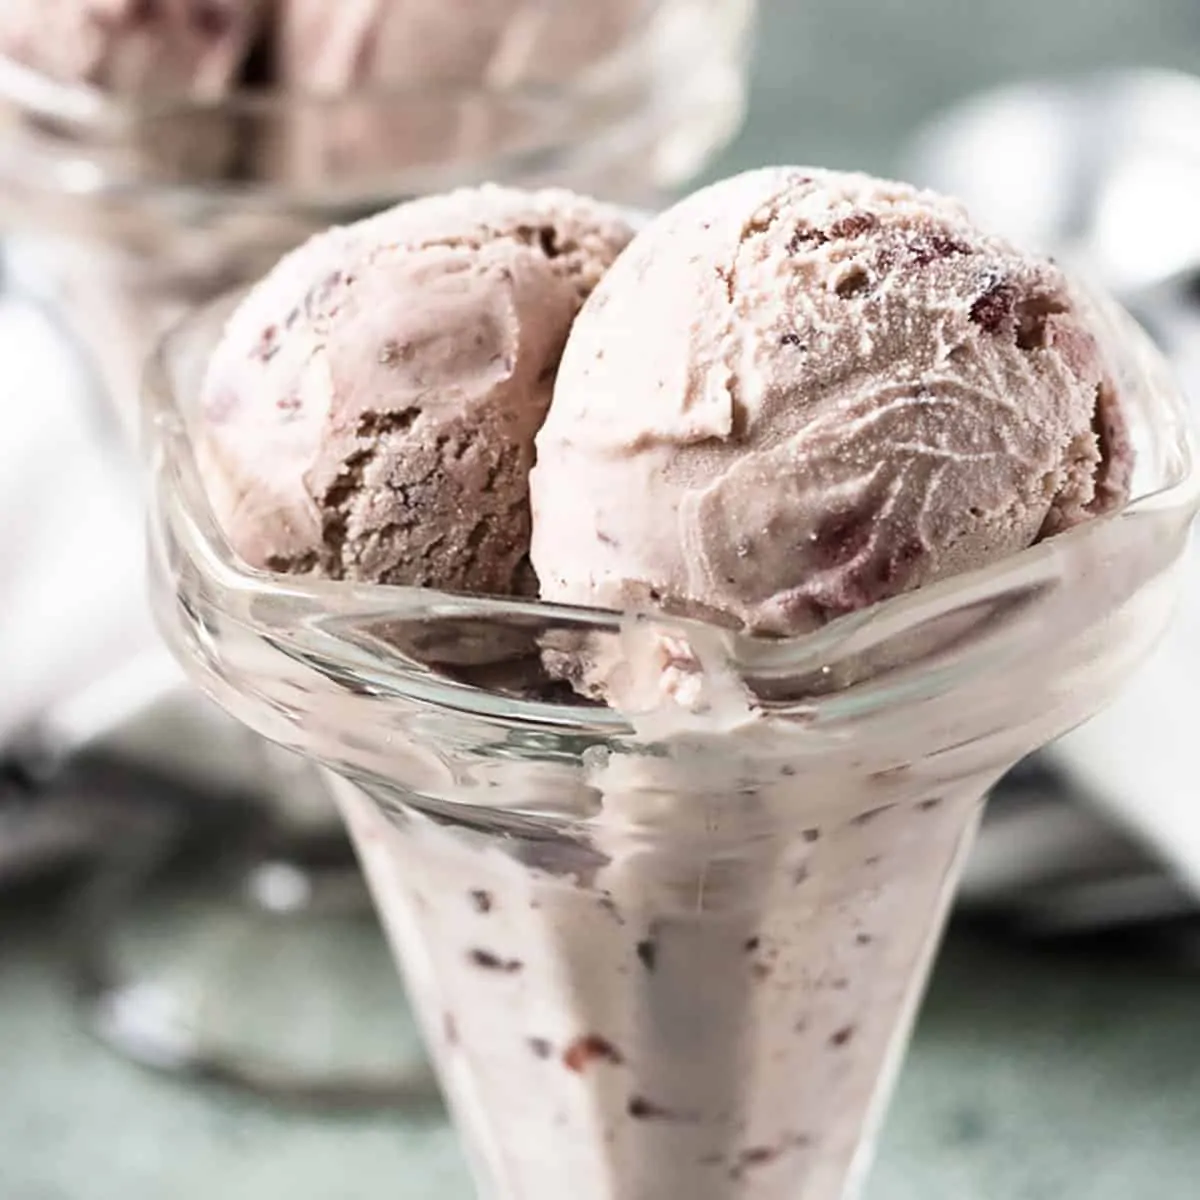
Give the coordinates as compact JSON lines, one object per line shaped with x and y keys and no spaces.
{"x":671,"y":951}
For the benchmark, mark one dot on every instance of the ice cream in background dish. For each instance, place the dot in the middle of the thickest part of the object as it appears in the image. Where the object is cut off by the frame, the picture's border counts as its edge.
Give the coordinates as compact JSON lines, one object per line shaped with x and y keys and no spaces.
{"x":134,"y":47}
{"x":449,"y":62}
{"x":332,"y":48}
{"x":371,"y":410}
{"x":449,"y":67}
{"x":823,"y":389}
{"x":203,"y":48}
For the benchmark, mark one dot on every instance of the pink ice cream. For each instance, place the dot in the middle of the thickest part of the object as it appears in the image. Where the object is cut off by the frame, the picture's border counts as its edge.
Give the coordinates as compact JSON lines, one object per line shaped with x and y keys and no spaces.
{"x":333,"y":48}
{"x":449,"y":62}
{"x":371,"y":410}
{"x":322,"y":47}
{"x":362,"y":91}
{"x":799,"y":392}
{"x":189,"y":47}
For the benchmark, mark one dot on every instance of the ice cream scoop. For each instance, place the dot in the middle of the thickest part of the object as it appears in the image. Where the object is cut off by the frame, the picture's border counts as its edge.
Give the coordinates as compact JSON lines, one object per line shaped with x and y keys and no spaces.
{"x":199,"y":47}
{"x":191,"y":47}
{"x":371,"y":409}
{"x":327,"y":47}
{"x":799,"y":392}
{"x":451,"y":65}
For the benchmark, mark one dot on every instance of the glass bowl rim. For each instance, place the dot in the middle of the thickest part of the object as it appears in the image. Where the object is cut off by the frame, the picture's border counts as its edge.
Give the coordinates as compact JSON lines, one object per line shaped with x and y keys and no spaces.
{"x":183,"y":514}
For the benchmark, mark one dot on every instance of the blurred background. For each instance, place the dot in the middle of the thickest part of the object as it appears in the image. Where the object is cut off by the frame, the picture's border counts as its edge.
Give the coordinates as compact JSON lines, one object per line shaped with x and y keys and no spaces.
{"x":176,"y":949}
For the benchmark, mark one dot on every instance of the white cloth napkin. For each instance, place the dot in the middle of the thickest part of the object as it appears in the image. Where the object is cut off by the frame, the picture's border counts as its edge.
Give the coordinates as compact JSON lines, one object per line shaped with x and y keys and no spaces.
{"x":80,"y":659}
{"x":71,"y":547}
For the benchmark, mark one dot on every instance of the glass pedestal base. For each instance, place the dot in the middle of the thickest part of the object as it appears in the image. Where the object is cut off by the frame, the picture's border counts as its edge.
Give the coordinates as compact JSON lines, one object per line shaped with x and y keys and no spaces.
{"x":248,"y":961}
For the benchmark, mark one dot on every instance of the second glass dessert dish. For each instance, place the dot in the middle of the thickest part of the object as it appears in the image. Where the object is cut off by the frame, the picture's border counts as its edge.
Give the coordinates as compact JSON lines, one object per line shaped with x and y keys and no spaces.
{"x":128,"y":207}
{"x":672,"y":947}
{"x":154,"y":159}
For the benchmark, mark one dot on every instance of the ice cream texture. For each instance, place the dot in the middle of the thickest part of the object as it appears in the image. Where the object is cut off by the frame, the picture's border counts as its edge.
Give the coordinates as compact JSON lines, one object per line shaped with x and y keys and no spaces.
{"x":334,"y":47}
{"x":794,"y":394}
{"x":371,"y":409}
{"x":461,"y":65}
{"x":191,"y":47}
{"x":822,"y":389}
{"x":203,"y":47}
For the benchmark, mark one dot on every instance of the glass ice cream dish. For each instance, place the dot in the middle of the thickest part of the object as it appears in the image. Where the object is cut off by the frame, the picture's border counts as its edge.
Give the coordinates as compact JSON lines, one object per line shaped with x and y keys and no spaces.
{"x":152,"y":160}
{"x":670,"y":946}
